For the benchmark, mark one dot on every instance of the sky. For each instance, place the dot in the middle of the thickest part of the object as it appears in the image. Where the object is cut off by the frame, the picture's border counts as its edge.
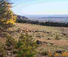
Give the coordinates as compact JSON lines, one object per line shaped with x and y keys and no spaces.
{"x":40,"y":7}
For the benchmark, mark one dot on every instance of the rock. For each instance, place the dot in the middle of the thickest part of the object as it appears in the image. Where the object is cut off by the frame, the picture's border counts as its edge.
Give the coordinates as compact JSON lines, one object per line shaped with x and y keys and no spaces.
{"x":67,"y":47}
{"x":48,"y":39}
{"x":44,"y":31}
{"x":64,"y":34}
{"x":48,"y":44}
{"x":45,"y":42}
{"x":36,"y":31}
{"x":8,"y":48}
{"x":59,"y":51}
{"x":51,"y":43}
{"x":38,"y":42}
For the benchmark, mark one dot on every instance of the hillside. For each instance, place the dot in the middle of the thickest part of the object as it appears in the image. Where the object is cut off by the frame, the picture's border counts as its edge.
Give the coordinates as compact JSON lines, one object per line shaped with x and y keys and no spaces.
{"x":22,"y":17}
{"x":45,"y":35}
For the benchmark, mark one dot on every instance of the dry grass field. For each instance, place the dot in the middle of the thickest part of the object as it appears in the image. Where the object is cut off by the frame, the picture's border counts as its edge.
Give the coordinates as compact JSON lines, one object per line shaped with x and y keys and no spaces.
{"x":52,"y":38}
{"x":48,"y":36}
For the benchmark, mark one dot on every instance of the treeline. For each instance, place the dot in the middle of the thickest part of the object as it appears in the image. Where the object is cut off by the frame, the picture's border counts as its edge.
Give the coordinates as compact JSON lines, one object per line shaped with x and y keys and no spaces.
{"x":48,"y":23}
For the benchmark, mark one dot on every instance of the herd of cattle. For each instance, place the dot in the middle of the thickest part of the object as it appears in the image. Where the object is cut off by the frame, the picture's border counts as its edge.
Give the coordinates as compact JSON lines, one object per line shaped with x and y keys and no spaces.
{"x":29,"y":30}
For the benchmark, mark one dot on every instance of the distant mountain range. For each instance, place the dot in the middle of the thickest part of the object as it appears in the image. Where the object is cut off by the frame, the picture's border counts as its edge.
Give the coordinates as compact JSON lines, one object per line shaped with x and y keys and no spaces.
{"x":44,"y":18}
{"x":52,"y":18}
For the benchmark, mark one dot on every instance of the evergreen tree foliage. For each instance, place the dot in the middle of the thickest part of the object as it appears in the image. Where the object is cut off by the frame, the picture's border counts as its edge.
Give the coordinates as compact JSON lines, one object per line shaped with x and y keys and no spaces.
{"x":7,"y":17}
{"x":26,"y":46}
{"x":2,"y":50}
{"x":10,"y":41}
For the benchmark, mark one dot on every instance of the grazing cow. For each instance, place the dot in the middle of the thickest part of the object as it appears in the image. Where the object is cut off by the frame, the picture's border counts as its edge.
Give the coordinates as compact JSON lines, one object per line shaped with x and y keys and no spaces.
{"x":25,"y":30}
{"x":19,"y":30}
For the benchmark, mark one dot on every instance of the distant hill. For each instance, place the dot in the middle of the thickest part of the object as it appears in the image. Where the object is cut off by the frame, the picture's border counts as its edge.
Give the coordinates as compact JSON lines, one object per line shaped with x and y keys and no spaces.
{"x":22,"y":17}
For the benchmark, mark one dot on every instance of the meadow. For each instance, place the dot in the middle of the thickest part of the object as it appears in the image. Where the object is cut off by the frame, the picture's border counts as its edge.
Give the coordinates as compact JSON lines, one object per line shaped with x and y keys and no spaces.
{"x":49,"y":39}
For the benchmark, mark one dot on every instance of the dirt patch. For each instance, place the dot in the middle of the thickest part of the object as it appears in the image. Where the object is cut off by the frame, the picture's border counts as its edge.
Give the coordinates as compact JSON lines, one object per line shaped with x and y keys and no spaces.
{"x":3,"y":40}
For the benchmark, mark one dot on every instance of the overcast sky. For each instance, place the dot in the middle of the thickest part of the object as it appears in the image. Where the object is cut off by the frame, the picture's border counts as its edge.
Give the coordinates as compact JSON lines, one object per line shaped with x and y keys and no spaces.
{"x":40,"y":7}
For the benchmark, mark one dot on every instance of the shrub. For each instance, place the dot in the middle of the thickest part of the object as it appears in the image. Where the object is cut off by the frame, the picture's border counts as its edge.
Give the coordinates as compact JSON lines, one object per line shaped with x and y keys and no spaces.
{"x":57,"y":37}
{"x":10,"y":41}
{"x":38,"y":35}
{"x":9,"y":29}
{"x":2,"y":50}
{"x":49,"y":39}
{"x":26,"y":46}
{"x":44,"y":53}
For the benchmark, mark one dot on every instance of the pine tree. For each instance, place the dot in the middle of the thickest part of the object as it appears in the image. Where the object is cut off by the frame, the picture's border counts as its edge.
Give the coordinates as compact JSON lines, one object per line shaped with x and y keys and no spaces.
{"x":7,"y":17}
{"x":26,"y":46}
